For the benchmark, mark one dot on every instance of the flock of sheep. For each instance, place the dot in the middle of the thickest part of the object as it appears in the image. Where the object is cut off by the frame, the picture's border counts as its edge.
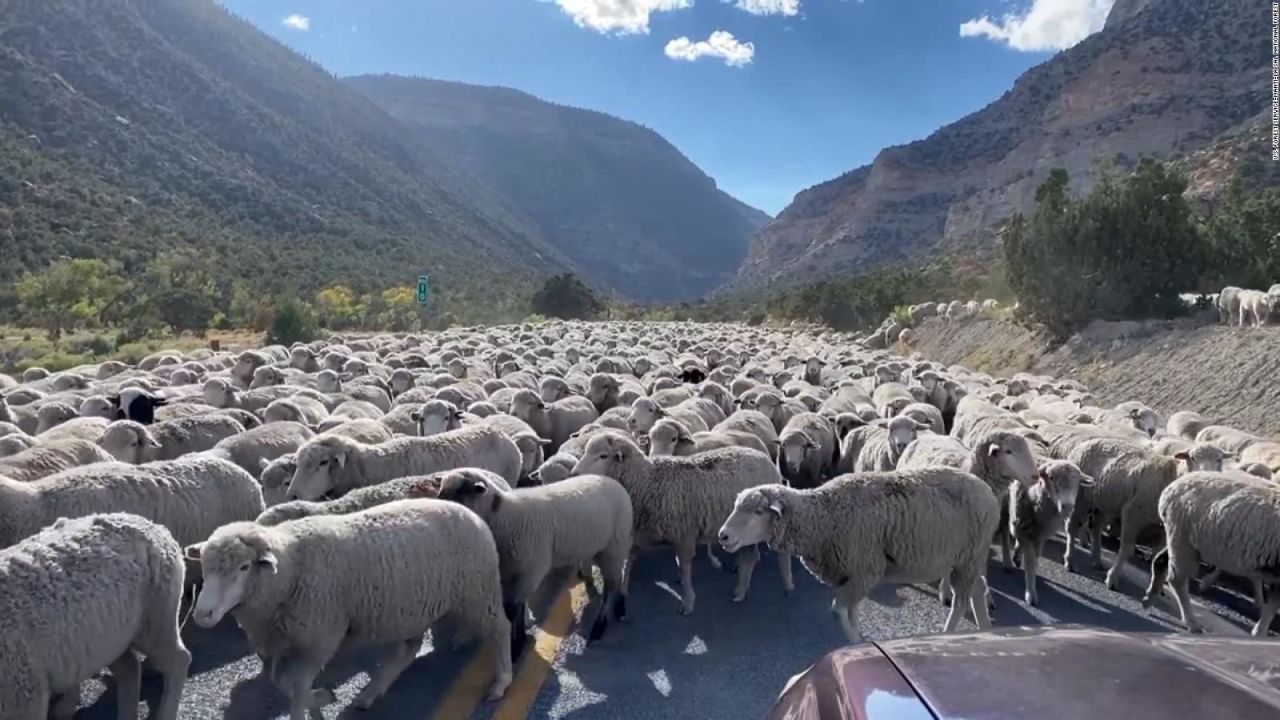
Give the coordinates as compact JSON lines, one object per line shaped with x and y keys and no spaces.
{"x":1238,"y":306}
{"x":360,"y":491}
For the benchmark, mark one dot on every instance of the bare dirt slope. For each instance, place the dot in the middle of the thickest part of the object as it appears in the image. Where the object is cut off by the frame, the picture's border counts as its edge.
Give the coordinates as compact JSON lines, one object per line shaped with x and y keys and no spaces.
{"x":1227,"y":374}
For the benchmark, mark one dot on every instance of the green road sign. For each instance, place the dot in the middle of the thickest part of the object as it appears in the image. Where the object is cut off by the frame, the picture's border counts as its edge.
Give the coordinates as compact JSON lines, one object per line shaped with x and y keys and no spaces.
{"x":424,"y":290}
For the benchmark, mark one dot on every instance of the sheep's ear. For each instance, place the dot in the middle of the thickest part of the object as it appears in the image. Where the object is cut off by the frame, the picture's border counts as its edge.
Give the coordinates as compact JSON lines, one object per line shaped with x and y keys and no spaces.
{"x":1183,"y":455}
{"x":1134,"y":413}
{"x":415,"y":416}
{"x":1044,"y":473}
{"x":775,"y":507}
{"x":159,"y":402}
{"x":1229,"y":456}
{"x":150,"y":441}
{"x":993,"y":450}
{"x":193,"y":552}
{"x":1086,"y":481}
{"x":923,"y":426}
{"x":267,"y":559}
{"x":263,"y":463}
{"x":342,"y":459}
{"x":809,"y":443}
{"x":542,"y":441}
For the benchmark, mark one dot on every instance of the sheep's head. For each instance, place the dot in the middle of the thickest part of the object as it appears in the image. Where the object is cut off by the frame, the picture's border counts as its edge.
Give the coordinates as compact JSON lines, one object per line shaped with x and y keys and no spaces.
{"x":556,"y":468}
{"x":231,"y":561}
{"x":1061,"y":482}
{"x":266,"y":376}
{"x":796,"y":445}
{"x":320,"y":462}
{"x":401,"y":380}
{"x":1145,"y":420}
{"x":530,"y":446}
{"x":283,"y":410}
{"x":482,"y":408}
{"x":246,"y":363}
{"x":606,"y":453}
{"x":437,"y":416}
{"x":644,"y":413}
{"x":1204,"y":457}
{"x":553,"y":388}
{"x":128,"y":441}
{"x":525,"y":404}
{"x":51,"y":415}
{"x":275,"y":476}
{"x":302,"y":358}
{"x":603,"y":389}
{"x":471,"y":490}
{"x":902,"y":432}
{"x":754,"y":518}
{"x":666,"y":436}
{"x":1011,"y":455}
{"x":218,"y":393}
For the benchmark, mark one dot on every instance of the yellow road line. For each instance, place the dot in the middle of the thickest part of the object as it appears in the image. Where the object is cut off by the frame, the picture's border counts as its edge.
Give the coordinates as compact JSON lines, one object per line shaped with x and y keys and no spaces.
{"x":468,"y":689}
{"x":536,"y":665}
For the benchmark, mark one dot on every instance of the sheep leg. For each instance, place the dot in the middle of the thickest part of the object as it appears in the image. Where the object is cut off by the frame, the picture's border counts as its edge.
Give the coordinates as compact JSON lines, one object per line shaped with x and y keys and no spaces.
{"x":944,"y":590}
{"x":611,"y":568}
{"x":962,"y":586}
{"x":1030,"y":562}
{"x":1095,"y":544}
{"x":127,"y":671}
{"x":1128,"y":541}
{"x":711,"y":557}
{"x":297,"y":675}
{"x":1159,"y":572}
{"x":1183,"y":563}
{"x":1266,"y":611}
{"x":64,"y":705}
{"x":1206,"y":582}
{"x":747,"y":559}
{"x":684,"y":556}
{"x":399,"y":658}
{"x":1259,"y":595}
{"x":979,"y":596}
{"x":501,"y":657}
{"x":165,"y":652}
{"x":784,"y":569}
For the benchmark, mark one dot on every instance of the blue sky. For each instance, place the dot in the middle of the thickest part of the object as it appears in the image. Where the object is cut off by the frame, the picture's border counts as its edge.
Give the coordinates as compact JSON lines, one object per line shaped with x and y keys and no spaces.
{"x":766,"y":96}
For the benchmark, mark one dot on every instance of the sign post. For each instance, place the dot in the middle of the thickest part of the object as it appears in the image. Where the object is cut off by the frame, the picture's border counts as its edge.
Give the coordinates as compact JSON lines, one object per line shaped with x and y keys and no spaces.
{"x":424,"y":290}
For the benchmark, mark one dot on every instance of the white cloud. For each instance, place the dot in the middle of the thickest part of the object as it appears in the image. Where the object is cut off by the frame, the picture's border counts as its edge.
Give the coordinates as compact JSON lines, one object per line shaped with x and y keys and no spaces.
{"x":721,"y":44}
{"x":1046,"y":25}
{"x":298,"y":22}
{"x":621,"y":16}
{"x":768,"y":7}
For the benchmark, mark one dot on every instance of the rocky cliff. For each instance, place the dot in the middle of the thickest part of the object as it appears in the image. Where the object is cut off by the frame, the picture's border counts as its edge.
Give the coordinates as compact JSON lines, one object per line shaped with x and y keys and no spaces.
{"x":1165,"y":78}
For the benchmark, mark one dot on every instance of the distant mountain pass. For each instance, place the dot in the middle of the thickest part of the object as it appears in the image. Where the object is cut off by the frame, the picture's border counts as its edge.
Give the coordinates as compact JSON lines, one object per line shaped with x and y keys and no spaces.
{"x":613,"y":196}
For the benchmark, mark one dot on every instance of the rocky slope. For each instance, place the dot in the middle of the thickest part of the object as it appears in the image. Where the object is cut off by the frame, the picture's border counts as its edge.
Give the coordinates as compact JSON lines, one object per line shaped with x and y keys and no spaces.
{"x":613,"y":196}
{"x":136,"y":126}
{"x":1226,"y":374}
{"x":1166,"y":77}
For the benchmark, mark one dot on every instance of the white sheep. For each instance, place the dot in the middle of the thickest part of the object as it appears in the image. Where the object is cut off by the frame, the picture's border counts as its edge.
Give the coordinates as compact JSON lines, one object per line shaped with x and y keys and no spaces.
{"x":296,"y":408}
{"x":859,"y":530}
{"x":808,"y":450}
{"x":321,"y":571}
{"x":437,"y":416}
{"x":131,"y":442}
{"x":405,"y":488}
{"x":47,"y":458}
{"x":668,"y":437}
{"x":1228,"y":304}
{"x":15,"y":443}
{"x":84,"y":594}
{"x":877,"y":446}
{"x":754,"y":422}
{"x":190,"y":496}
{"x":531,"y":446}
{"x":1255,"y":308}
{"x":1040,"y":509}
{"x":682,"y":501}
{"x":1186,"y":424}
{"x":1228,"y":520}
{"x":570,"y":524}
{"x":267,"y":442}
{"x":1128,"y":480}
{"x":555,"y":421}
{"x":332,"y":465}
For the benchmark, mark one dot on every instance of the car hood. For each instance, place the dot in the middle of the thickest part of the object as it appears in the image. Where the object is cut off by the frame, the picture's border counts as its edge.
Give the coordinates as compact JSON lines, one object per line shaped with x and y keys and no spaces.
{"x":1063,"y":672}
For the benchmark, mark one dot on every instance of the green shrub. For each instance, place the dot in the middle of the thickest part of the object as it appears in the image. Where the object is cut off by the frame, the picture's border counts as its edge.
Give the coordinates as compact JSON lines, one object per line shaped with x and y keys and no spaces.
{"x":564,"y":296}
{"x":293,"y":322}
{"x":55,"y":361}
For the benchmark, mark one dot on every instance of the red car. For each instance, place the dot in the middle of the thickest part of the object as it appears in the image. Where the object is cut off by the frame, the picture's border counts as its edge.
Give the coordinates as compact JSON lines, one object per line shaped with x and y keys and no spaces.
{"x":1063,"y":673}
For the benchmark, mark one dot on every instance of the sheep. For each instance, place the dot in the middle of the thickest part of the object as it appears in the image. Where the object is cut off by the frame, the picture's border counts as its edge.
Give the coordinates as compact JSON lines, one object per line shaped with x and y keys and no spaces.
{"x":132,"y":442}
{"x":1128,"y":480}
{"x":190,"y":496}
{"x":1228,"y":520}
{"x":437,"y":416}
{"x":368,"y":432}
{"x":583,"y":519}
{"x":754,"y":422}
{"x":554,"y":469}
{"x":1038,"y":510}
{"x":682,"y":501}
{"x":861,"y":529}
{"x":645,"y":412}
{"x":405,"y":488}
{"x":555,"y":421}
{"x":274,"y":478}
{"x":1255,"y":469}
{"x":337,"y":465}
{"x":528,"y":442}
{"x":668,"y":437}
{"x":296,"y":408}
{"x":1132,"y":416}
{"x":267,"y":442}
{"x":1227,"y":438}
{"x":877,"y":446}
{"x":808,"y":450}
{"x":52,"y":414}
{"x":320,"y":572}
{"x":1186,"y":424}
{"x":24,"y":416}
{"x":1255,"y":308}
{"x":926,"y":414}
{"x":891,"y":398}
{"x":85,"y":594}
{"x":14,"y":444}
{"x":45,"y":459}
{"x":1228,"y":304}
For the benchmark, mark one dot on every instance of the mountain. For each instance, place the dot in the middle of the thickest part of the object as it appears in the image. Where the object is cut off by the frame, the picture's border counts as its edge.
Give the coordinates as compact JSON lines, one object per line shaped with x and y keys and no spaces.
{"x":132,"y":127}
{"x":1164,"y":78}
{"x":613,"y":196}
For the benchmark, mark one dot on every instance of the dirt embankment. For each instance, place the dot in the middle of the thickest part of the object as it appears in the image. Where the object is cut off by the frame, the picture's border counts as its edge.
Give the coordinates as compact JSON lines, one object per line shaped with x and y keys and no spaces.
{"x":1230,"y":375}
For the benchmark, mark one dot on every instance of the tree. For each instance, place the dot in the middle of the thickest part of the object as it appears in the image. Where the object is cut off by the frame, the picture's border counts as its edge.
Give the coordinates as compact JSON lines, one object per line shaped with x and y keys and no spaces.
{"x":293,"y":322}
{"x":66,"y":295}
{"x":401,"y":313}
{"x":564,"y":296}
{"x":338,"y":307}
{"x":1125,"y":251}
{"x":1244,"y":246}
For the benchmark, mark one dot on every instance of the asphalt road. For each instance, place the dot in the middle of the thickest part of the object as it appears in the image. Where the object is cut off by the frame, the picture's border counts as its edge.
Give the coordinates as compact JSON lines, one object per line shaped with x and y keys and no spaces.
{"x":727,"y":660}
